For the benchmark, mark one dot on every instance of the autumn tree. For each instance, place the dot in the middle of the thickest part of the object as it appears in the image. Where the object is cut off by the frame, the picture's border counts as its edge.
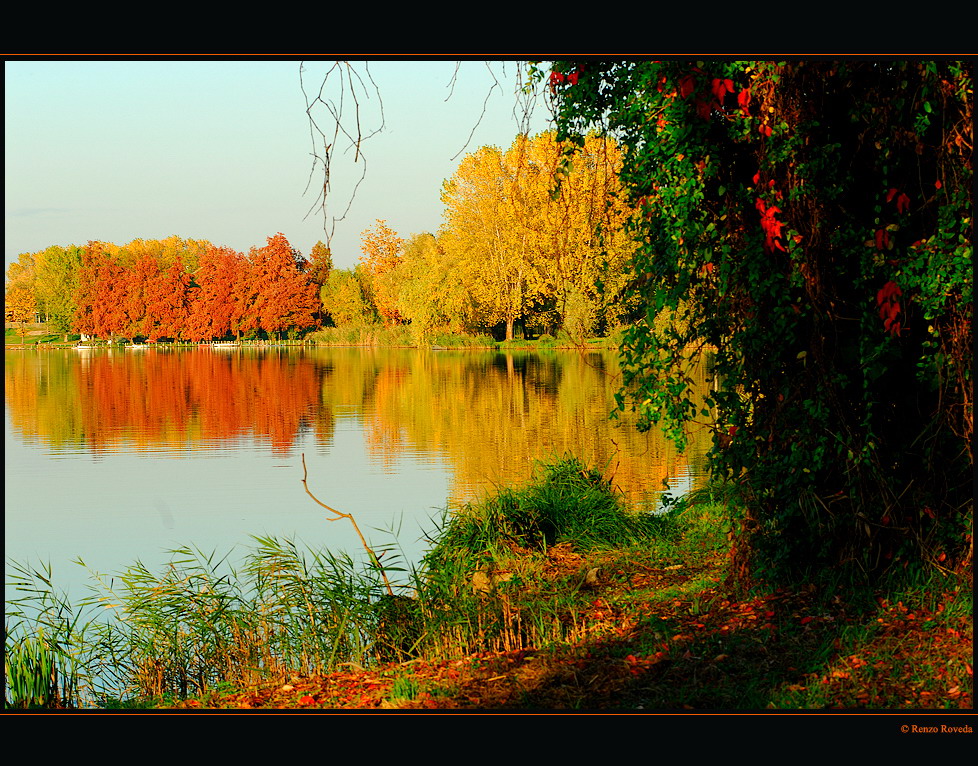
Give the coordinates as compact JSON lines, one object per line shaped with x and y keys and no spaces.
{"x":812,"y":222}
{"x":57,"y":284}
{"x":381,"y":254}
{"x":284,"y":298}
{"x":533,"y":250}
{"x":140,"y":289}
{"x":487,"y":231}
{"x":132,"y":287}
{"x":99,"y":304}
{"x":345,"y":297}
{"x":212,"y":306}
{"x":584,"y":235}
{"x":320,"y":264}
{"x":430,"y":294}
{"x":165,"y":251}
{"x":167,"y":303}
{"x":19,"y":300}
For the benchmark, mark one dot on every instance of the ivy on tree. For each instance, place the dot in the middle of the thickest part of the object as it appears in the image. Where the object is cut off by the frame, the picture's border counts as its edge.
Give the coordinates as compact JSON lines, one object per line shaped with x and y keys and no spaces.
{"x":811,"y":221}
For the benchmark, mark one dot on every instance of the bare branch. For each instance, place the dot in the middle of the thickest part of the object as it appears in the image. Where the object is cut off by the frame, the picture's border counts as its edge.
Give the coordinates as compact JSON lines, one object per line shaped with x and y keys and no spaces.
{"x":344,"y":88}
{"x":341,"y":87}
{"x":340,"y":515}
{"x":485,"y":103}
{"x":523,"y":107}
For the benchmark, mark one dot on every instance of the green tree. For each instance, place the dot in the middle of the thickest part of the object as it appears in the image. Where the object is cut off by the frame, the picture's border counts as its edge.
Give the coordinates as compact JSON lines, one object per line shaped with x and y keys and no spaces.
{"x":57,"y":284}
{"x":811,"y":222}
{"x":430,"y":295}
{"x":345,"y":298}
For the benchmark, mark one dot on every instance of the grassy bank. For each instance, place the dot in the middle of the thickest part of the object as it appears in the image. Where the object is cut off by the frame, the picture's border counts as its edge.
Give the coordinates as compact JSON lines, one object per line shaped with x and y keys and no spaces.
{"x":400,"y":336}
{"x":553,"y":595}
{"x":359,"y":336}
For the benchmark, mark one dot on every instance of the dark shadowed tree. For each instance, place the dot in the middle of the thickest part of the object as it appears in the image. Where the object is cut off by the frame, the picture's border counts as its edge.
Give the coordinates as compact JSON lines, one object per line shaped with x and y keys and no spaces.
{"x":810,"y":221}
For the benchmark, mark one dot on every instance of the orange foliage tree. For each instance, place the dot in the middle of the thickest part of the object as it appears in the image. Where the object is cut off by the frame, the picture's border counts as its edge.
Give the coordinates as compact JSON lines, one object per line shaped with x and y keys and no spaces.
{"x":212,"y":306}
{"x":284,"y":296}
{"x":382,"y":253}
{"x":167,"y":303}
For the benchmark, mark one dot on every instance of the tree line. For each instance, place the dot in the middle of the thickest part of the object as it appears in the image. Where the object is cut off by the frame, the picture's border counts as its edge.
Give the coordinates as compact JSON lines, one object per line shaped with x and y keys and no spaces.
{"x":173,"y":289}
{"x":517,"y":252}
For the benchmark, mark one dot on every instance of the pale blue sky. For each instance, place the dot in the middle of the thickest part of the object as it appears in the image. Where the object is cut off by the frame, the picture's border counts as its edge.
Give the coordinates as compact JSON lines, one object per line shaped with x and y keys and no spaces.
{"x":221,"y":150}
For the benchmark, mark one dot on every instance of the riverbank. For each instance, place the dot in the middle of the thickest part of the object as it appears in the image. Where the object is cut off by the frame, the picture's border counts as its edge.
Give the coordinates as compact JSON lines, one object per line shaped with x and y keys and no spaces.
{"x":362,"y":337}
{"x":778,"y":651}
{"x":549,"y":596}
{"x":673,"y":637}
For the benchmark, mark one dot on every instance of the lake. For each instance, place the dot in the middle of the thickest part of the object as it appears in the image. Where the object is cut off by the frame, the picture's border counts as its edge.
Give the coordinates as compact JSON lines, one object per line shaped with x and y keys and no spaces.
{"x":114,"y":456}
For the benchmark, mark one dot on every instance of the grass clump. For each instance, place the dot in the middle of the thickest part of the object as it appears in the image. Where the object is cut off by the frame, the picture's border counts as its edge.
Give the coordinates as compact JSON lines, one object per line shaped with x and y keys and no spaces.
{"x":565,"y":503}
{"x":452,"y":340}
{"x":362,"y":335}
{"x":515,"y":569}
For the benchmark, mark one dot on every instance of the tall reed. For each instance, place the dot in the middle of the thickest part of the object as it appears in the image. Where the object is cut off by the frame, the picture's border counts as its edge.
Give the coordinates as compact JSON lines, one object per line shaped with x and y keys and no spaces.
{"x":44,"y":664}
{"x":199,"y":623}
{"x":206,"y":620}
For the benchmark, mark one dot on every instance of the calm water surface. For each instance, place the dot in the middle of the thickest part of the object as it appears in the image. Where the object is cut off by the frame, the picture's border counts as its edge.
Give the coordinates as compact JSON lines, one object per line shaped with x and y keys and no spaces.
{"x":118,"y":456}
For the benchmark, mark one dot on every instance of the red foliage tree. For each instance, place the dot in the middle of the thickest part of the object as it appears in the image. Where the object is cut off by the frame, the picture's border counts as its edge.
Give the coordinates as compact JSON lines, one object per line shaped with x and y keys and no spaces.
{"x":132,"y":316}
{"x":284,"y":296}
{"x":167,"y":303}
{"x":100,"y":292}
{"x":212,"y":304}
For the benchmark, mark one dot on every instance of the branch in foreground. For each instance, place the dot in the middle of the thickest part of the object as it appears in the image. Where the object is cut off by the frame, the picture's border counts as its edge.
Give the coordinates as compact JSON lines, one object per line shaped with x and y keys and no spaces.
{"x":341,"y":515}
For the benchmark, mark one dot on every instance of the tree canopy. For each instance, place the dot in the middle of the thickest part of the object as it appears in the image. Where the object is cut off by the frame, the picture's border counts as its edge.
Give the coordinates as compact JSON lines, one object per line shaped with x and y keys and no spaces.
{"x":811,"y":223}
{"x":168,"y":289}
{"x":530,"y":251}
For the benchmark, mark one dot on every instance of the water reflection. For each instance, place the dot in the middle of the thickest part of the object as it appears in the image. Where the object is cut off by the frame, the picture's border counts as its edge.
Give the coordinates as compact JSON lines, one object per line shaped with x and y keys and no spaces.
{"x":489,"y":415}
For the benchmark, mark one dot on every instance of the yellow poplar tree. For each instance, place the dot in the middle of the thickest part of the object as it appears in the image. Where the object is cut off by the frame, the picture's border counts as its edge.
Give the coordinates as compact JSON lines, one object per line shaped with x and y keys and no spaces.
{"x":57,"y":283}
{"x":488,"y":231}
{"x":584,"y":237}
{"x":19,"y":300}
{"x":430,"y":294}
{"x":537,"y":233}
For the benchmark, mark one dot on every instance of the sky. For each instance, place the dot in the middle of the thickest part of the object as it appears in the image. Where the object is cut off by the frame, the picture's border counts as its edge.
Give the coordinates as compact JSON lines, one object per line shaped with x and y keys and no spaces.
{"x":221,"y":150}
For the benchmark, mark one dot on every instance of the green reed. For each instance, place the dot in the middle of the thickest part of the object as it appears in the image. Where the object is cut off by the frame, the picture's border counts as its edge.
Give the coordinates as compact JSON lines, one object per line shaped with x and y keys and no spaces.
{"x":37,"y":673}
{"x":205,"y":621}
{"x":199,"y":623}
{"x":43,"y":666}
